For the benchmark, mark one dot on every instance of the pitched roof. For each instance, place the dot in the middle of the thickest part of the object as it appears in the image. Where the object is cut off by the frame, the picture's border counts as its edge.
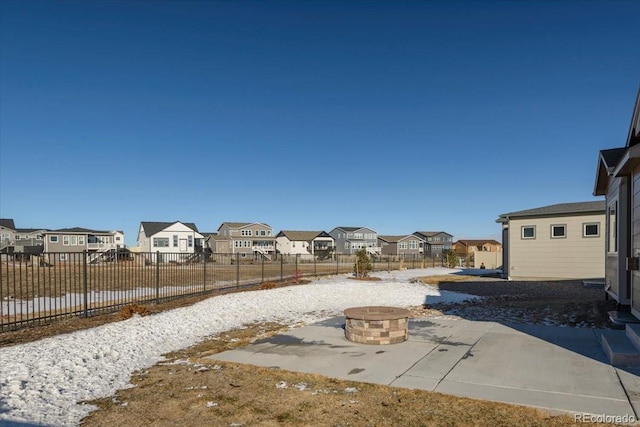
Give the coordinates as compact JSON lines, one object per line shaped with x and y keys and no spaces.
{"x":241,"y":224}
{"x":7,"y":223}
{"x":151,"y":228}
{"x":30,"y":230}
{"x":78,"y":230}
{"x":560,"y":209}
{"x":393,"y":239}
{"x":301,"y":236}
{"x":477,"y":242}
{"x":431,"y":233}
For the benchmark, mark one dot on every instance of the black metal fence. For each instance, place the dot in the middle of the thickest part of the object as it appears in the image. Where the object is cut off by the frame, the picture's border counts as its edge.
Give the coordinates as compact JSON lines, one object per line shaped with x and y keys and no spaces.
{"x":37,"y":289}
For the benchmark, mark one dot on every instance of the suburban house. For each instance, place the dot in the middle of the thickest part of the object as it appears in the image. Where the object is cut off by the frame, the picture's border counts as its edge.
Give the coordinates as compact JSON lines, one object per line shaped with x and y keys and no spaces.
{"x":407,"y":245}
{"x":173,"y":241}
{"x":253,"y":239}
{"x":434,"y":242}
{"x":349,"y":240}
{"x":479,"y":253}
{"x":60,"y":245}
{"x":22,"y":240}
{"x":562,"y":241}
{"x":7,"y":230}
{"x":313,"y":244}
{"x":618,"y":179}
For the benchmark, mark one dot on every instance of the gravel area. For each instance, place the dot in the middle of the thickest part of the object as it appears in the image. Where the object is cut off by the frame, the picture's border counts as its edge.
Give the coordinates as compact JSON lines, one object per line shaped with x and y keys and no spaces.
{"x":558,"y":303}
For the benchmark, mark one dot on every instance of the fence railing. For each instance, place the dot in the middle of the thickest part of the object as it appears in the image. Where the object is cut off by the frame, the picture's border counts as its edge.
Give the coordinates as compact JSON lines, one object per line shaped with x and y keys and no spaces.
{"x":37,"y":289}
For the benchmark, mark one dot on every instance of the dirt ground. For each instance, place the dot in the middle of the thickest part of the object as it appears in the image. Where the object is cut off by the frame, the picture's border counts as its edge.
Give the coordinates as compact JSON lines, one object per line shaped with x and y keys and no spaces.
{"x":188,"y":390}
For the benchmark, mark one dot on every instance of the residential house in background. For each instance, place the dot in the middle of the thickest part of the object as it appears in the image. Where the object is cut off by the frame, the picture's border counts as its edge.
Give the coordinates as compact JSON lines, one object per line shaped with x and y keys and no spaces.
{"x":313,"y":244}
{"x":172,"y":241}
{"x":62,"y":244}
{"x":562,"y":241}
{"x":7,"y":230}
{"x":254,"y":239}
{"x":618,"y":179}
{"x":479,"y":253}
{"x":406,"y":245}
{"x":434,"y":242}
{"x":349,"y":240}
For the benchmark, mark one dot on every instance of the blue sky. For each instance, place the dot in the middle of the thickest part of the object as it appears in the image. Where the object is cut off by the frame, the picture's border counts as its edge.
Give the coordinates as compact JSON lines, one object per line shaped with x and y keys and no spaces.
{"x":395,"y":115}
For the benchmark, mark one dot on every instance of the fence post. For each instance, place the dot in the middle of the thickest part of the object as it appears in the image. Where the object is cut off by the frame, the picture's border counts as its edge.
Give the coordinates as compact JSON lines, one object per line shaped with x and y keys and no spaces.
{"x":85,"y":283}
{"x":315,"y":265}
{"x":157,"y":276}
{"x":281,"y":268}
{"x":204,"y":271}
{"x":237,"y":269}
{"x":262,"y":270}
{"x":295,"y":273}
{"x":337,"y":263}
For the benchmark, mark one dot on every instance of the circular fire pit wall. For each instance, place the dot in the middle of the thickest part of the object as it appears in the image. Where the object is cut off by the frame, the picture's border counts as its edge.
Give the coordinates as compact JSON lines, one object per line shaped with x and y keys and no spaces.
{"x":377,"y":325}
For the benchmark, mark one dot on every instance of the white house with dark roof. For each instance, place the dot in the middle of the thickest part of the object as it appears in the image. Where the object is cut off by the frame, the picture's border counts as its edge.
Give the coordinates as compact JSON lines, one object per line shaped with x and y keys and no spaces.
{"x":309,"y":244}
{"x":180,"y":238}
{"x":561,"y":241}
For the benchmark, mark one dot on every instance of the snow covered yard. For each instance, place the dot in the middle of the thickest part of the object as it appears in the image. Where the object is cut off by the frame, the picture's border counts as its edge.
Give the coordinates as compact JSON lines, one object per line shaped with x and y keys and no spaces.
{"x":41,"y":382}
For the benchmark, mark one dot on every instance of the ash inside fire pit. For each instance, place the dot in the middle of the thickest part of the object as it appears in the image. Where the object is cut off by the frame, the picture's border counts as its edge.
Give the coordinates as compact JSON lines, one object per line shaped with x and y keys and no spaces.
{"x":377,"y":325}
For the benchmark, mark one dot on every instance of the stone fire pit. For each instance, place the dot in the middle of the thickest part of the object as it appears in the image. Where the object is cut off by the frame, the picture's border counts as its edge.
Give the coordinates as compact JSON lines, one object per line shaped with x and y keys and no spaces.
{"x":377,"y":325}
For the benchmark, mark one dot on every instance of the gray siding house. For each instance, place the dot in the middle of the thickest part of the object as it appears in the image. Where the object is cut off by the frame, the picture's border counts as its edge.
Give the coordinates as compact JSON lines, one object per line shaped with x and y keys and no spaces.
{"x":63,"y":243}
{"x":435,"y":242}
{"x":349,"y":240}
{"x":618,"y":179}
{"x":407,"y":245}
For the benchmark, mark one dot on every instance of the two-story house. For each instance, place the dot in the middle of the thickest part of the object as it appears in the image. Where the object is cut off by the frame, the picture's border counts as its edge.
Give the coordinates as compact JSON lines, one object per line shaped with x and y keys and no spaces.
{"x":349,"y":240}
{"x":170,"y":241}
{"x":312,"y":244}
{"x":64,"y":244}
{"x":466,"y":247}
{"x":7,"y":230}
{"x":254,"y":239}
{"x":435,"y":242}
{"x":406,"y":245}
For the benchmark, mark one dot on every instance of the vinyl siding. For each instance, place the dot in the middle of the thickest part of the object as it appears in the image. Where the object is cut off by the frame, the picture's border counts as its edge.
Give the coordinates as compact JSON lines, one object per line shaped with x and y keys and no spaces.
{"x":571,"y":257}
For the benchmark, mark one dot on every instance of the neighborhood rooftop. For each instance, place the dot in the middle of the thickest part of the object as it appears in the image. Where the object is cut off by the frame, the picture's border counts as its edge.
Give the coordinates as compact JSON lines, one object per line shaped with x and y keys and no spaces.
{"x":558,"y":209}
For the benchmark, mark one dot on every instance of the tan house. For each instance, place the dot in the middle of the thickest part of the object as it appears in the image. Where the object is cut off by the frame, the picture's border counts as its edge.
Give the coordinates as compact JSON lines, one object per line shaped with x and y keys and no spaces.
{"x":252,"y":239}
{"x":562,"y":241}
{"x":479,"y":253}
{"x":618,"y":179}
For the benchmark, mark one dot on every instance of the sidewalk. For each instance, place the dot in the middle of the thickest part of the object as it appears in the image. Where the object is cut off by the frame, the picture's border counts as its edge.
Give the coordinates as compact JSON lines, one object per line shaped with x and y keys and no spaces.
{"x":554,"y":368}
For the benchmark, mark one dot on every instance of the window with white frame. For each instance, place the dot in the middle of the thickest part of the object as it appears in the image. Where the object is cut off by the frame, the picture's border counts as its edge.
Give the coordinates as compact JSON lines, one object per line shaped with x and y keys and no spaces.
{"x":53,"y":239}
{"x":402,"y":245}
{"x":413,"y":244}
{"x":80,"y":240}
{"x":591,"y":229}
{"x":190,"y":241}
{"x":528,"y":232}
{"x":65,"y":240}
{"x":612,"y":227}
{"x":160,"y":242}
{"x":558,"y":231}
{"x":175,"y":240}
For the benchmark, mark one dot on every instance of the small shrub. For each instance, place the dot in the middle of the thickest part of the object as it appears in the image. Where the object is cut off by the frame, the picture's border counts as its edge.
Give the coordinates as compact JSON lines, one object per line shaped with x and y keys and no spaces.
{"x":130,"y":310}
{"x":450,"y":258}
{"x":362,"y":266}
{"x":267,"y":285}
